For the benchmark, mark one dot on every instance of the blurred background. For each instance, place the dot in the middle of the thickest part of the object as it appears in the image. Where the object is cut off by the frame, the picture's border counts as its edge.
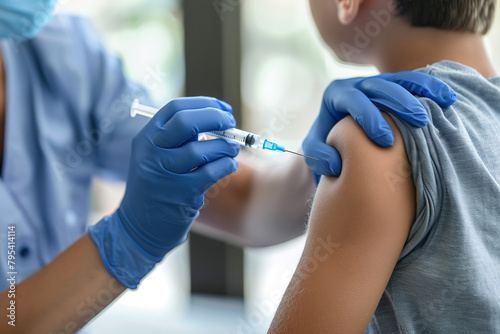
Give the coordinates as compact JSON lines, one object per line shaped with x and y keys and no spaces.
{"x":270,"y":63}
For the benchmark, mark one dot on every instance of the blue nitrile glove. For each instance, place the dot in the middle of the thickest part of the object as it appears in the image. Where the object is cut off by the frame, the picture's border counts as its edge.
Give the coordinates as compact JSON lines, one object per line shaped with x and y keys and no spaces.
{"x":362,"y":98}
{"x":170,"y":171}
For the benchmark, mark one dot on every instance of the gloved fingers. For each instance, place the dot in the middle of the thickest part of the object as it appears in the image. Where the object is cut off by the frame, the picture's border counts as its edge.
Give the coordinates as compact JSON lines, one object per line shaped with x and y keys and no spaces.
{"x":315,"y":145}
{"x":368,"y":116}
{"x":196,"y":154}
{"x":331,"y":97}
{"x":393,"y":97}
{"x":209,"y":174}
{"x":316,"y":178}
{"x":330,"y":161}
{"x":186,"y":103}
{"x":320,"y":129}
{"x":186,"y":124}
{"x":424,"y":85}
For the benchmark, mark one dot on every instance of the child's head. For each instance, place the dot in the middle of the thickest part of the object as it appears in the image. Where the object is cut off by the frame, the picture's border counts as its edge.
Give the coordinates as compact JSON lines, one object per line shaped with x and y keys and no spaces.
{"x":351,"y":27}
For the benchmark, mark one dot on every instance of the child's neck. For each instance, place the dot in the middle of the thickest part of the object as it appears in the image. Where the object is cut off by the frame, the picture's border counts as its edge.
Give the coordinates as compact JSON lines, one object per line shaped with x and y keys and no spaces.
{"x":410,"y":48}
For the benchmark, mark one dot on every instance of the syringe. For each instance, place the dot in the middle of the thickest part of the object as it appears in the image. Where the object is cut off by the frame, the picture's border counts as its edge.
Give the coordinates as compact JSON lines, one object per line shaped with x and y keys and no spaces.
{"x":241,"y":137}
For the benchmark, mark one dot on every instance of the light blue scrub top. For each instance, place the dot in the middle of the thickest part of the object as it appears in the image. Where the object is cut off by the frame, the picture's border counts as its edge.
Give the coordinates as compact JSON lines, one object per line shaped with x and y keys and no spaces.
{"x":67,"y":120}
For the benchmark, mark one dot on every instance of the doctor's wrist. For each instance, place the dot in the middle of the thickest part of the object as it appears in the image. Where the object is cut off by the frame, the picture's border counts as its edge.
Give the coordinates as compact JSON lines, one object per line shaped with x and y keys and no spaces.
{"x":121,"y":255}
{"x":142,"y":239}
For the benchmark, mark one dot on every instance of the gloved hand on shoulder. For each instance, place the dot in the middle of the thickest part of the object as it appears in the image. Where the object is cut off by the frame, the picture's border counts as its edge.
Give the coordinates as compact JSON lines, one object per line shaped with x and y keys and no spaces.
{"x":362,"y":98}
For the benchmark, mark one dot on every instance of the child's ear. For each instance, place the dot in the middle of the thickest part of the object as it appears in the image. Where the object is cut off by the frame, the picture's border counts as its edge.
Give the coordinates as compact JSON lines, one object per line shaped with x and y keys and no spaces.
{"x":348,"y":10}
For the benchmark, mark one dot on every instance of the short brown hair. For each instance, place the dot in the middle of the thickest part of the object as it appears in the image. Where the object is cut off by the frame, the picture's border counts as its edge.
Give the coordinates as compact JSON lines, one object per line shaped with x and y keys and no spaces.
{"x":474,"y":16}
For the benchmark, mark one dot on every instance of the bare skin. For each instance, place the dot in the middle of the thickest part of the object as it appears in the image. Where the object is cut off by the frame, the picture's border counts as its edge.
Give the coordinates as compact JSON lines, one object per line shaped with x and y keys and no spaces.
{"x":64,"y":295}
{"x":424,"y":46}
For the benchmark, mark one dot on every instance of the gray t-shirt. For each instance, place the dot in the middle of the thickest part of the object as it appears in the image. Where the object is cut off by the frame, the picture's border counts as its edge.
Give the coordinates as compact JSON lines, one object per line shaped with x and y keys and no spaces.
{"x":447,"y":279}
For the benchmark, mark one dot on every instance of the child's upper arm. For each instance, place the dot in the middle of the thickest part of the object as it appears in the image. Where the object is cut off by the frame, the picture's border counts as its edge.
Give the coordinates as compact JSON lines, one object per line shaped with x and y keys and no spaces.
{"x":358,"y":227}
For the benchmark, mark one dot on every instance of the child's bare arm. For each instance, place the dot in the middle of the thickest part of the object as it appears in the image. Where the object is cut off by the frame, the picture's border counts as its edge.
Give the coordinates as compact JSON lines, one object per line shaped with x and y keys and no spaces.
{"x":358,"y":227}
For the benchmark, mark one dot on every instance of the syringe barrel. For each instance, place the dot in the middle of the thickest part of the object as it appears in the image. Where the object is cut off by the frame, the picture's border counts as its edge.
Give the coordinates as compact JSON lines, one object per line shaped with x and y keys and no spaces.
{"x":241,"y":137}
{"x":235,"y":135}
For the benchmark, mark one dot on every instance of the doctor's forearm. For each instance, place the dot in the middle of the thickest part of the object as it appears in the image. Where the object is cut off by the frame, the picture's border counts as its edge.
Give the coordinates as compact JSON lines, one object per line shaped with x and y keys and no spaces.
{"x":64,"y":295}
{"x":256,"y":208}
{"x":225,"y":203}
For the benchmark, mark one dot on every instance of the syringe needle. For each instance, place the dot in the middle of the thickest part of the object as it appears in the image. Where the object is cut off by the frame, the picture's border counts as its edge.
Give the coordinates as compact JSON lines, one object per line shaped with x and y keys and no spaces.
{"x":302,"y":155}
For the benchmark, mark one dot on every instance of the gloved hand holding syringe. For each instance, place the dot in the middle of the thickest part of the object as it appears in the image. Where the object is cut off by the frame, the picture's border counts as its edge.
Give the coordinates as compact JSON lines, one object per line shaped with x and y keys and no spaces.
{"x":241,"y":137}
